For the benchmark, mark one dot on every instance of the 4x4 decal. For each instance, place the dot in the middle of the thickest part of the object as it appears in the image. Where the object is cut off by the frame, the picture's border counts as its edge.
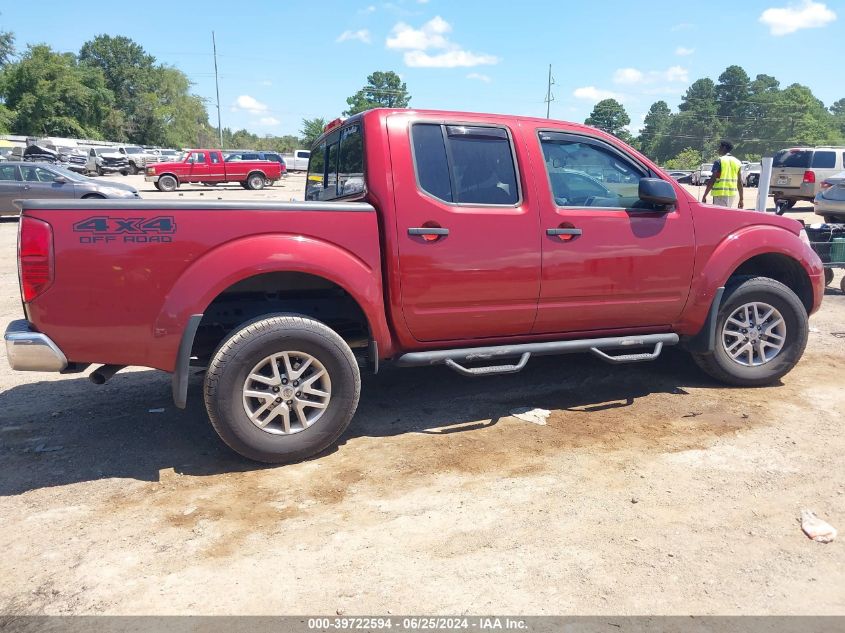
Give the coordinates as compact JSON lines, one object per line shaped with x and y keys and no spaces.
{"x":103,"y":229}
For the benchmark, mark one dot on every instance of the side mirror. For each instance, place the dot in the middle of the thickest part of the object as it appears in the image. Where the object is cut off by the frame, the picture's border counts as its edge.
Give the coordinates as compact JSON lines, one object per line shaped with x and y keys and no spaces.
{"x":60,"y":180}
{"x":656,"y":191}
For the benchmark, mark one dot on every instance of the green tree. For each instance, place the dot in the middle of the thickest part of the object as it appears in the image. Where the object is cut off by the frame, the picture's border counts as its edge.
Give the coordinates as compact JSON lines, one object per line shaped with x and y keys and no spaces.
{"x":687,"y":158}
{"x":609,"y":115}
{"x":696,"y":124}
{"x":7,"y":48}
{"x":733,"y":102}
{"x":127,"y":67}
{"x":52,"y":95}
{"x":838,"y":111}
{"x":383,"y":90}
{"x":655,"y":128}
{"x":311,"y":130}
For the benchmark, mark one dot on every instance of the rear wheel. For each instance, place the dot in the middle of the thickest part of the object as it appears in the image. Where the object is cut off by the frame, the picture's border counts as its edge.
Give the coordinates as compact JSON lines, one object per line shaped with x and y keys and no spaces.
{"x":282,"y":389}
{"x":255,"y":182}
{"x":828,"y":276}
{"x":761,"y":333}
{"x":133,"y":169}
{"x":167,"y":183}
{"x":93,"y":196}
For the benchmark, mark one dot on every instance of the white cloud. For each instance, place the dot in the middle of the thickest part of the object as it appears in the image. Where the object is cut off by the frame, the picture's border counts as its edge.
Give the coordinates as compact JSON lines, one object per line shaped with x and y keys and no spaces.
{"x":591,"y":93}
{"x":682,"y":51}
{"x":479,"y":77}
{"x":630,"y":76}
{"x":683,"y":26}
{"x":250,"y":104}
{"x":449,"y":59}
{"x":269,"y":120}
{"x":429,"y":35}
{"x":433,"y":35}
{"x":362,"y":36}
{"x":627,"y":76}
{"x":266,"y":82}
{"x":368,"y":9}
{"x":806,"y":15}
{"x":423,"y":1}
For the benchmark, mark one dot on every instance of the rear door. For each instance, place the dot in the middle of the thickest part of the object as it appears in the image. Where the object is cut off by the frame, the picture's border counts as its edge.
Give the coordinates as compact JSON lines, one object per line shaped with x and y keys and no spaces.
{"x":10,"y":188}
{"x":609,"y":260}
{"x":467,"y":229}
{"x":216,"y":167}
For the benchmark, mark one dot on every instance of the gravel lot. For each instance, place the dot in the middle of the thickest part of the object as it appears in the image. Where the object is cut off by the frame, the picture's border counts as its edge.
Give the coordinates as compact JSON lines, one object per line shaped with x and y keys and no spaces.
{"x":650,"y":490}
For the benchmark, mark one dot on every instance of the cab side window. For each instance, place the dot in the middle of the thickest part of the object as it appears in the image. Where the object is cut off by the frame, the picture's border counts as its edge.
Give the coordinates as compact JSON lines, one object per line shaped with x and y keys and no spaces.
{"x":585,"y":172}
{"x":215,"y":157}
{"x":8,"y":172}
{"x":465,"y":164}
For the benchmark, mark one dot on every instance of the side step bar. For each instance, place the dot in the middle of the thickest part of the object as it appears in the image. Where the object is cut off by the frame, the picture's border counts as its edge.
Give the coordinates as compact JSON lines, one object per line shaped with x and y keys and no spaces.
{"x":453,"y":358}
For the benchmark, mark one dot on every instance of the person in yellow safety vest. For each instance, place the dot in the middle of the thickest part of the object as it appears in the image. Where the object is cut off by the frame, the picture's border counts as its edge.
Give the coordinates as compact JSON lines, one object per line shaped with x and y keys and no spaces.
{"x":725,"y":182}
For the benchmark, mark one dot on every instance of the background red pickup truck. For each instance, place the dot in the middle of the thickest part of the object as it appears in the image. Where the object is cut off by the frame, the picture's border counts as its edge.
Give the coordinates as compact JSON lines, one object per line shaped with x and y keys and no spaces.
{"x":209,"y":166}
{"x":474,"y":241}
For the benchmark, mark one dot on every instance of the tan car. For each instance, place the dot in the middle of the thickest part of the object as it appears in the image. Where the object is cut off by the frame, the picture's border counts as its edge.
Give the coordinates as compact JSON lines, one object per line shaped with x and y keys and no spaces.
{"x":797,"y":172}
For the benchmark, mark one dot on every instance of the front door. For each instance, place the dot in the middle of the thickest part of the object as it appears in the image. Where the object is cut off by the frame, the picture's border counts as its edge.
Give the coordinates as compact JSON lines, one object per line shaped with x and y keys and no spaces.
{"x":10,"y":188}
{"x":468,"y":232}
{"x":609,"y":260}
{"x":39,"y":182}
{"x":199,"y":167}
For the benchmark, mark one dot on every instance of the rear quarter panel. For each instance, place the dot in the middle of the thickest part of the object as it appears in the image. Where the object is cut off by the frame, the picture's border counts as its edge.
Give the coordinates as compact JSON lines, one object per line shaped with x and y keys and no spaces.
{"x":125,"y":297}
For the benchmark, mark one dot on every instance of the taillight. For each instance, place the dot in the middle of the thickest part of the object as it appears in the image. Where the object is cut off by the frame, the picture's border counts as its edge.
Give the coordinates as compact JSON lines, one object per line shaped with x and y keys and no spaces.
{"x":35,"y":257}
{"x":809,"y":176}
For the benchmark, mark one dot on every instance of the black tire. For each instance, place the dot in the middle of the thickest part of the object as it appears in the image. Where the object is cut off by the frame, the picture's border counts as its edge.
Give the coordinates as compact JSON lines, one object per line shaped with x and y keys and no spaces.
{"x":167,"y":183}
{"x":133,"y":169}
{"x":719,"y":364}
{"x":842,"y":284}
{"x":255,"y":181}
{"x":157,"y":186}
{"x":93,"y":196}
{"x":243,"y":350}
{"x":243,"y":184}
{"x":100,"y":171}
{"x":828,"y":276}
{"x":124,"y":172}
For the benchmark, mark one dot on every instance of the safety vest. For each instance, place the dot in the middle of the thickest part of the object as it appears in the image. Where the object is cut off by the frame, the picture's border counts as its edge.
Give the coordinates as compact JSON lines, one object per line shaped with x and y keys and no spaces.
{"x":725,"y":184}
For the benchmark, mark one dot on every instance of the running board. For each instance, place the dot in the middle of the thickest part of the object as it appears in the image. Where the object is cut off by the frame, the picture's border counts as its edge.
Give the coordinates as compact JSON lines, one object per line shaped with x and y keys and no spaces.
{"x":455,"y":358}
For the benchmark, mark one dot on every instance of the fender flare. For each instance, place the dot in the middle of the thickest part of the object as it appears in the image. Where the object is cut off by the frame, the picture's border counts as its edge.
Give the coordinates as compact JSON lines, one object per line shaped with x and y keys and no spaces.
{"x":729,"y":254}
{"x":242,"y":258}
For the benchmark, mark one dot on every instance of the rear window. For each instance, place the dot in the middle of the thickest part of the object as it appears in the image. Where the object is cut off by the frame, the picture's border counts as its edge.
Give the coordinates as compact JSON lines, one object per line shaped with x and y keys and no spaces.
{"x":336,"y":167}
{"x":793,"y":158}
{"x":465,"y":164}
{"x":824,"y":160}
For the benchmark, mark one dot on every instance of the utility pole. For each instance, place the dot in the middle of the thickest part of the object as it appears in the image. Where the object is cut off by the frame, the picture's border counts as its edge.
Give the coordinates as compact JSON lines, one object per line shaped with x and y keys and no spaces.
{"x":217,"y":88}
{"x":549,"y":96}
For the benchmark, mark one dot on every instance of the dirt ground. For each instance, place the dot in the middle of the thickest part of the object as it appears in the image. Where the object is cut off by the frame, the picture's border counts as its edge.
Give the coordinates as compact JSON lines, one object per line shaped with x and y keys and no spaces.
{"x":651,"y":490}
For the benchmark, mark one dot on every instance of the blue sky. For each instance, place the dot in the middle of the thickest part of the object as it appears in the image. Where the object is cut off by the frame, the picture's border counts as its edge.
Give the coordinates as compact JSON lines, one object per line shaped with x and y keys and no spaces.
{"x":282,"y":61}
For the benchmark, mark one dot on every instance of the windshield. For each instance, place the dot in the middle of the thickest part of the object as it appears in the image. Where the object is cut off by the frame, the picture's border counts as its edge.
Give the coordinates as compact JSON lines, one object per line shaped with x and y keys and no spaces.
{"x":793,"y":158}
{"x":707,"y":167}
{"x":134,"y":150}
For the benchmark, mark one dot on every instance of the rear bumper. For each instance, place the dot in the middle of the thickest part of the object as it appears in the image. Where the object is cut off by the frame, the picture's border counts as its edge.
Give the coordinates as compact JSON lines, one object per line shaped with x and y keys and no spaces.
{"x":28,"y":350}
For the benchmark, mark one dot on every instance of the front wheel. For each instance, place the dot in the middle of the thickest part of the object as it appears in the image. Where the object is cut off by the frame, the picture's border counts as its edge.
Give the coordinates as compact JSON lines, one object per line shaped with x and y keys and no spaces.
{"x":761,"y":333}
{"x":282,"y":389}
{"x":167,"y":183}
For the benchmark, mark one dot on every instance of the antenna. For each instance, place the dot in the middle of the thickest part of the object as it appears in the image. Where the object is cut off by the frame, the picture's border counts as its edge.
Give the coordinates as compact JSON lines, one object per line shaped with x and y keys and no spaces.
{"x":549,"y":96}
{"x":217,"y":88}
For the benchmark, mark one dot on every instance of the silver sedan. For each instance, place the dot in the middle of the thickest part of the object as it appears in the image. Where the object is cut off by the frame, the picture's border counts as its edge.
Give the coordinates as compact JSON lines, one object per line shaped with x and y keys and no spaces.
{"x":830,"y":201}
{"x":24,"y":180}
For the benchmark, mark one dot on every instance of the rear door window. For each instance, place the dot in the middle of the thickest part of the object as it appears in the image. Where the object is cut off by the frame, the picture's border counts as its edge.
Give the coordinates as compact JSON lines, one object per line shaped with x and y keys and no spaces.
{"x":466,"y":164}
{"x":799,"y":158}
{"x":824,"y":160}
{"x":350,"y":166}
{"x":8,"y":172}
{"x":336,"y":167}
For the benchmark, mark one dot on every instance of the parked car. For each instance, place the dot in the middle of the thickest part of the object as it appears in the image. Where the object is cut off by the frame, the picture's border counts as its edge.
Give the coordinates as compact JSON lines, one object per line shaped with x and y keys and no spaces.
{"x":683,"y":176}
{"x":247,"y":155}
{"x":25,"y":180}
{"x":139,"y":157}
{"x":830,"y":200}
{"x":208,"y":166}
{"x":439,"y":238}
{"x":702,"y":174}
{"x":797,"y":172}
{"x":298,"y":160}
{"x":106,"y":160}
{"x":750,"y":174}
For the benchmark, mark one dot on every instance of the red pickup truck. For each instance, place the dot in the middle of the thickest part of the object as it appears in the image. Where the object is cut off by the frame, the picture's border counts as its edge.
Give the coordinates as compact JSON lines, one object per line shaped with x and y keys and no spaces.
{"x":209,"y":166}
{"x":469,"y":240}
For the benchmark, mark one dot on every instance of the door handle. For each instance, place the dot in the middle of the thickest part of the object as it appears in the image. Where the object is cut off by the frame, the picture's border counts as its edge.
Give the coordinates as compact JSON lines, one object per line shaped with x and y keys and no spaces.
{"x":428,"y":231}
{"x":564,"y":232}
{"x":26,"y":187}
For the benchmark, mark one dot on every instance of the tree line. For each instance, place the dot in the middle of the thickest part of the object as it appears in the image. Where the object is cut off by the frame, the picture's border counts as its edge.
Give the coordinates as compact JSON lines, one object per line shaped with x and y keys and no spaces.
{"x":757,"y":115}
